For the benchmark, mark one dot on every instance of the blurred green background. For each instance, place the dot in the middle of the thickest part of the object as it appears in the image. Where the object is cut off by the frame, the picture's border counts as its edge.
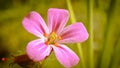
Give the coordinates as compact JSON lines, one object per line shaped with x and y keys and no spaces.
{"x":106,"y":17}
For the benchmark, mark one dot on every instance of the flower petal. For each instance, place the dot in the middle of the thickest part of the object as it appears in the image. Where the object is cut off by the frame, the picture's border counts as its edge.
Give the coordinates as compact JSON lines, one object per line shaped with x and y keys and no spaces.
{"x":37,"y":50}
{"x":74,"y":33}
{"x":57,"y":19}
{"x":34,"y":24}
{"x":65,"y":56}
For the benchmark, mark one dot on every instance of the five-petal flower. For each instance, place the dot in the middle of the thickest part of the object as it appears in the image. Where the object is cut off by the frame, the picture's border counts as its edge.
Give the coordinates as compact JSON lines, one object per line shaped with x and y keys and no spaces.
{"x":52,"y":36}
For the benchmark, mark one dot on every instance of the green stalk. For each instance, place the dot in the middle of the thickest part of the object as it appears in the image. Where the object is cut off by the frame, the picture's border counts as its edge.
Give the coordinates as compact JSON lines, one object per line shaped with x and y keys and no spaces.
{"x":90,"y":21}
{"x":108,"y":43}
{"x":116,"y":56}
{"x":73,"y":19}
{"x":108,"y":49}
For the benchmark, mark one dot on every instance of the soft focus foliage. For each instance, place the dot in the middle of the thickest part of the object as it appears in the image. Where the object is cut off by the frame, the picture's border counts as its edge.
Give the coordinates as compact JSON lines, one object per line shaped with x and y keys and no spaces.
{"x":14,"y":38}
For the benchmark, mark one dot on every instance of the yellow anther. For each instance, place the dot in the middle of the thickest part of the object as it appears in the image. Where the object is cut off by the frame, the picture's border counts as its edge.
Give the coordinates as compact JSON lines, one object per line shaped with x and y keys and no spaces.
{"x":53,"y":38}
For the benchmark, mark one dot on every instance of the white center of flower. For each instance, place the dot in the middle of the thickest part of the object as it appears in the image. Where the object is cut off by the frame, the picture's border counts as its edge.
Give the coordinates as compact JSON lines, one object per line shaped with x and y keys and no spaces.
{"x":52,"y":38}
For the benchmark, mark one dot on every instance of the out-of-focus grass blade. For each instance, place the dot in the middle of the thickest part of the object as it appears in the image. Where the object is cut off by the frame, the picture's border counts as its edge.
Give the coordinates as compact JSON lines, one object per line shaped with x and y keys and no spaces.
{"x":108,"y":43}
{"x":116,"y":54}
{"x":73,"y":19}
{"x":90,"y":22}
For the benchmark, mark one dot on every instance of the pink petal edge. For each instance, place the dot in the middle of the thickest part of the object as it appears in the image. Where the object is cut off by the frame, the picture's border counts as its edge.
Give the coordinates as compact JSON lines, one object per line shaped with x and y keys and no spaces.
{"x":57,"y":19}
{"x":65,"y":56}
{"x":37,"y":50}
{"x":35,"y":24}
{"x":74,"y":33}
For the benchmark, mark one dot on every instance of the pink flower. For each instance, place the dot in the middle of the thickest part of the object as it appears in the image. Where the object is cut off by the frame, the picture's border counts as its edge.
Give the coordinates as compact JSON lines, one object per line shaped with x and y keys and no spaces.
{"x":53,"y":36}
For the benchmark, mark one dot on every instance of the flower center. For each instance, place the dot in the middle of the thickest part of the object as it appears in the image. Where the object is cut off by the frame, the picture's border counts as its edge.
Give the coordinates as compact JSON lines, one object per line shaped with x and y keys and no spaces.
{"x":53,"y":38}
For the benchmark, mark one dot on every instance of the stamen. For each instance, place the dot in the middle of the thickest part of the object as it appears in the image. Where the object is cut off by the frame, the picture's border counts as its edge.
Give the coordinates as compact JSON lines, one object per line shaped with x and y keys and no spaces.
{"x":45,"y":35}
{"x":46,"y":42}
{"x":52,"y":38}
{"x":56,"y":44}
{"x":59,"y":38}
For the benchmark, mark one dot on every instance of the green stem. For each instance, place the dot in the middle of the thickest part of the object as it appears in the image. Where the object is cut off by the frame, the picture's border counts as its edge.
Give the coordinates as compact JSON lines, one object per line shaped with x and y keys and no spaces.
{"x":116,"y":55}
{"x":108,"y":43}
{"x":73,"y":19}
{"x":90,"y":21}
